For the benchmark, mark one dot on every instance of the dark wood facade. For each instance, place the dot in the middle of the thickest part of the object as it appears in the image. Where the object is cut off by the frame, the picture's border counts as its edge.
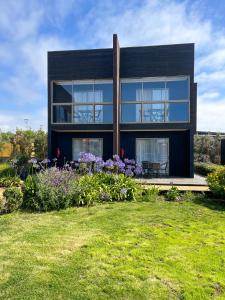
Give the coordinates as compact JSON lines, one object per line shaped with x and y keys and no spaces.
{"x":118,"y":63}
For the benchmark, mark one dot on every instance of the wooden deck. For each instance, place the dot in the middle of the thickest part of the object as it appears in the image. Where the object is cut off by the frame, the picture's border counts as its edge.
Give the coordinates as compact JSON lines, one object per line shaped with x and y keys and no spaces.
{"x":196,"y":184}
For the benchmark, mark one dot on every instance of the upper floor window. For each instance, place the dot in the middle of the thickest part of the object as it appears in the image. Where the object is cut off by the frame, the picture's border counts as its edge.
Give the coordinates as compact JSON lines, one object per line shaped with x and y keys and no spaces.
{"x":154,"y":100}
{"x":86,"y":102}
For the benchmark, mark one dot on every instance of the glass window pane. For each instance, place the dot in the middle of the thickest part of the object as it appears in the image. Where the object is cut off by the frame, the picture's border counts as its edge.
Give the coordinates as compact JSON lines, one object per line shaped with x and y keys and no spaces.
{"x":130,"y":113}
{"x":62,"y":93}
{"x":153,"y":112}
{"x":83,"y":114}
{"x":178,"y":90}
{"x":103,"y":113}
{"x":177,"y":112}
{"x":94,"y":146}
{"x":62,"y":114}
{"x":83,"y":93}
{"x":131,"y":91}
{"x":150,"y":90}
{"x":103,"y":92}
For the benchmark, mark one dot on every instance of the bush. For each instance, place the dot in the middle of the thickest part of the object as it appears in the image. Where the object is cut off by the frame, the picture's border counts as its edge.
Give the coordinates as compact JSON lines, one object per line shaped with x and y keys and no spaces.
{"x":10,"y":181}
{"x":173,"y":194}
{"x":49,"y":190}
{"x":205,"y":168}
{"x":6,"y":170}
{"x":13,"y":199}
{"x":188,"y":196}
{"x":216,"y":182}
{"x":104,"y":187}
{"x":150,"y":194}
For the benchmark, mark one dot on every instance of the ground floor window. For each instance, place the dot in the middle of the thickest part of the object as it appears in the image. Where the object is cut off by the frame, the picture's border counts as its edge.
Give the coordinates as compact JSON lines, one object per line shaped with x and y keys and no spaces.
{"x":92,"y":145}
{"x":153,"y":150}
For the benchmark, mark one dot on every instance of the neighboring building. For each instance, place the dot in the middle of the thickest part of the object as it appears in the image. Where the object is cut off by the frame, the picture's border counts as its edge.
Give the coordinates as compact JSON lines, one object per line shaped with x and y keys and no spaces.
{"x":138,"y":102}
{"x":223,"y":152}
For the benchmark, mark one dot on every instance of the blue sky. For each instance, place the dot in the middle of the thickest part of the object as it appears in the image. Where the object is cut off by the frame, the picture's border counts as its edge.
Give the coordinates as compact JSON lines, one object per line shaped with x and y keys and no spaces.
{"x":28,"y":29}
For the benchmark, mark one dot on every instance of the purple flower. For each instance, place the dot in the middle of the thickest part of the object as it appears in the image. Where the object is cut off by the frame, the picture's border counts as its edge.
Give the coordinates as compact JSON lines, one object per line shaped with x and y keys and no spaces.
{"x":109,"y":164}
{"x":116,"y":157}
{"x":138,"y":169}
{"x":123,"y":191}
{"x":129,"y":173}
{"x":32,"y":161}
{"x":86,"y":157}
{"x":45,"y":161}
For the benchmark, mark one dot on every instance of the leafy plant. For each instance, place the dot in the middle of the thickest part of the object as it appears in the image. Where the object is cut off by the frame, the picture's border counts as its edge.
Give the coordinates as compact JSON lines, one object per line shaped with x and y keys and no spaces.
{"x":10,"y":181}
{"x":49,"y":190}
{"x":205,"y":168}
{"x":150,"y":194}
{"x":173,"y":194}
{"x":216,"y":182}
{"x":188,"y":196}
{"x":13,"y":199}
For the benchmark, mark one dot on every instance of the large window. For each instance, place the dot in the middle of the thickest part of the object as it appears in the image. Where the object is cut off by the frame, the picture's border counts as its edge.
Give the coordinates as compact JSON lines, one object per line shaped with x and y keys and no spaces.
{"x":91,"y":145}
{"x":155,"y":100}
{"x":87,"y":102}
{"x":153,"y":150}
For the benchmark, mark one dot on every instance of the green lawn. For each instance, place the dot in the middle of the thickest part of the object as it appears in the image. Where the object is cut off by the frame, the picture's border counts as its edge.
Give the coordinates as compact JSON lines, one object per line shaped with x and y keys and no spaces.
{"x":149,"y":250}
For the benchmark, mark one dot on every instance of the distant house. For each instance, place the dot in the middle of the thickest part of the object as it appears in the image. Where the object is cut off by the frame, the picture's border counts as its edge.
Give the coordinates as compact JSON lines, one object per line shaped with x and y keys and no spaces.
{"x":138,"y":102}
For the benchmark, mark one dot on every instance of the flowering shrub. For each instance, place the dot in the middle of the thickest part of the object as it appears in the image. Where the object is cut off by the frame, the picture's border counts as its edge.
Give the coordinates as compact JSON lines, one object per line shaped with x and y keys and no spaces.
{"x":102,"y":187}
{"x":89,"y":163}
{"x":48,"y":190}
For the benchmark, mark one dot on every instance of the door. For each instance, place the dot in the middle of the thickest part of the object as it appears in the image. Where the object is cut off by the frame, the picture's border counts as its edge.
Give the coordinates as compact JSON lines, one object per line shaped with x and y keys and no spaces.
{"x":154,"y":150}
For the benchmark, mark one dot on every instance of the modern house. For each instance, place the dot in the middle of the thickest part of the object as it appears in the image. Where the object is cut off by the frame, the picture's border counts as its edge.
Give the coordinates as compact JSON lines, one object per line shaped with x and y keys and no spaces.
{"x":138,"y":102}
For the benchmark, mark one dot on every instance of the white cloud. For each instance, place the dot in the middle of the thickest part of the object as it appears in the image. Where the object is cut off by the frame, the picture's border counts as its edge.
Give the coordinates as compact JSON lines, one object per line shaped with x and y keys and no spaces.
{"x":26,"y":41}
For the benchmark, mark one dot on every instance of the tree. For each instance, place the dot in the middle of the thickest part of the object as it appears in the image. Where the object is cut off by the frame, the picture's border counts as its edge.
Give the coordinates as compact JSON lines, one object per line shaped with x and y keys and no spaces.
{"x":40,"y":144}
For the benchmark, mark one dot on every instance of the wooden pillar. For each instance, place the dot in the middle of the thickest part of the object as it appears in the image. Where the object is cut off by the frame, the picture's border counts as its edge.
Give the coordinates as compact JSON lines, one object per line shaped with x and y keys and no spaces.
{"x":116,"y":95}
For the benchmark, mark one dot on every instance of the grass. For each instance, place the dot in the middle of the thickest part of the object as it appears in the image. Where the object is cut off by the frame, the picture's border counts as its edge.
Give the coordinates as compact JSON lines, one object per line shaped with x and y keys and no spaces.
{"x":149,"y":250}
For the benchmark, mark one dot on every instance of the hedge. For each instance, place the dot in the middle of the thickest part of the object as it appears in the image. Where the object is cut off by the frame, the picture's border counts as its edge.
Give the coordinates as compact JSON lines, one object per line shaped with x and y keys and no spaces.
{"x":205,"y":168}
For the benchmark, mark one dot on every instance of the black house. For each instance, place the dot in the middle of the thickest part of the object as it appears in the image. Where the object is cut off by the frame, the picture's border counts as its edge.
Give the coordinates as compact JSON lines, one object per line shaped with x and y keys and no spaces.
{"x":138,"y":102}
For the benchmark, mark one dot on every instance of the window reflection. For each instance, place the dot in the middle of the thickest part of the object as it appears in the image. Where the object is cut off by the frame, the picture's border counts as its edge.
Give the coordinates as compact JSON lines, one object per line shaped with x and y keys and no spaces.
{"x":62,"y":114}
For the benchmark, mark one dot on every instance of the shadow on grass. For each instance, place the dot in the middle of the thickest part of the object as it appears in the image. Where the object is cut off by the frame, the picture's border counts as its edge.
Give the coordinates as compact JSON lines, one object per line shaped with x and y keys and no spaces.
{"x":212,"y":203}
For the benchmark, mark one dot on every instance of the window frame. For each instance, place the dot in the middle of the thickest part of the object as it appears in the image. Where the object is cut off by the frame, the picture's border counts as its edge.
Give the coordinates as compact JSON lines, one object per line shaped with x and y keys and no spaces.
{"x":73,"y":104}
{"x":156,"y":79}
{"x":88,"y":138}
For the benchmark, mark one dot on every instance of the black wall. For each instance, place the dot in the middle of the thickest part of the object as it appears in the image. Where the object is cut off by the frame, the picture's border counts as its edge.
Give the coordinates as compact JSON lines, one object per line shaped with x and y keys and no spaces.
{"x":63,"y":141}
{"x":223,"y":152}
{"x":179,"y":154}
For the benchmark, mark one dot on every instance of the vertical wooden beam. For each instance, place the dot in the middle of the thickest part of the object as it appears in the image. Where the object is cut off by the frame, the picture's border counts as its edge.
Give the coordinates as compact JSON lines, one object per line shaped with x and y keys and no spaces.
{"x":116,"y":95}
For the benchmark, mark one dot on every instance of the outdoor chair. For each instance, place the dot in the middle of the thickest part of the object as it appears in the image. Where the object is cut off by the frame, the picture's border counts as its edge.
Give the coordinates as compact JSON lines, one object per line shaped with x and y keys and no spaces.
{"x":163,"y":168}
{"x":147,"y":168}
{"x":156,"y":169}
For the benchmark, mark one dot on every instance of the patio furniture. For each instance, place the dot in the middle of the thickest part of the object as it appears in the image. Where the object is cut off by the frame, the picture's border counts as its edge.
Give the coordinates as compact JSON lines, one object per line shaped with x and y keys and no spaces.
{"x":163,"y":168}
{"x":156,"y":169}
{"x":147,"y":168}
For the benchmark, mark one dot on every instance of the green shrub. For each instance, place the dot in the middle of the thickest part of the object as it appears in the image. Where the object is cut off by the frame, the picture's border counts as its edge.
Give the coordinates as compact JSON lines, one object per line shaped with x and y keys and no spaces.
{"x":10,"y":181}
{"x":173,"y":194}
{"x":103,"y":187}
{"x":205,"y":168}
{"x":188,"y":196}
{"x":50,"y":189}
{"x":150,"y":194}
{"x":13,"y":199}
{"x":30,"y":193}
{"x":6,"y":170}
{"x":216,"y":182}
